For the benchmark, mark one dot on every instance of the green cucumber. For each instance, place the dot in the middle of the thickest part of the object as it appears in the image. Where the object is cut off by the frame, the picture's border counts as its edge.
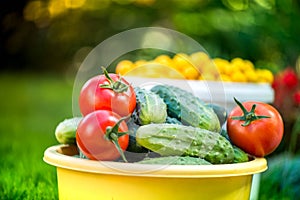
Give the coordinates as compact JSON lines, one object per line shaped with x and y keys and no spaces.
{"x":150,"y":108}
{"x":133,"y":146}
{"x":187,"y":108}
{"x":220,"y":112}
{"x":239,"y":155}
{"x":172,"y":120}
{"x":179,"y":140}
{"x":175,"y":160}
{"x":65,"y":131}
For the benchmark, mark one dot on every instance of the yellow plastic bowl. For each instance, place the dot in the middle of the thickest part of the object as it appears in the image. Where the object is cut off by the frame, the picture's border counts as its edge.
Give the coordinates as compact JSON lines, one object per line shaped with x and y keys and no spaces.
{"x":86,"y":179}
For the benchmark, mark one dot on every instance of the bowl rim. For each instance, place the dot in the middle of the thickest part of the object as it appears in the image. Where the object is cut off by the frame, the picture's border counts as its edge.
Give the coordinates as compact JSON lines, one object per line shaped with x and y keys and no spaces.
{"x":53,"y":157}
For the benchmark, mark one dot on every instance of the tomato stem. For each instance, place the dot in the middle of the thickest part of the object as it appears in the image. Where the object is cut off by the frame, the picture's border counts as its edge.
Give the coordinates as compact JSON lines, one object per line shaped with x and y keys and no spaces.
{"x":248,"y":116}
{"x":117,"y":86}
{"x":112,"y":134}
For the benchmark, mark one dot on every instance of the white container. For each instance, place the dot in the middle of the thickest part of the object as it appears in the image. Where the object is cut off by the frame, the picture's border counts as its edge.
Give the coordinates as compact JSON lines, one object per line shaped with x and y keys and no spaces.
{"x":221,"y":93}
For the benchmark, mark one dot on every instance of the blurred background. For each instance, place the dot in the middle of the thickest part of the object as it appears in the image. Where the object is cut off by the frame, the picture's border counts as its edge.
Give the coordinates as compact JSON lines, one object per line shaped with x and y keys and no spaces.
{"x":44,"y":42}
{"x":50,"y":35}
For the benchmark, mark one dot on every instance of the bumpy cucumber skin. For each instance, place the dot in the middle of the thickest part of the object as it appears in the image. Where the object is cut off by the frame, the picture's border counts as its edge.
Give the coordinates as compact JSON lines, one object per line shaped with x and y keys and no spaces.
{"x":175,"y":160}
{"x":172,"y":120}
{"x":150,"y":108}
{"x":240,"y":155}
{"x":187,"y":108}
{"x":133,"y":146}
{"x":65,"y":131}
{"x":179,"y":140}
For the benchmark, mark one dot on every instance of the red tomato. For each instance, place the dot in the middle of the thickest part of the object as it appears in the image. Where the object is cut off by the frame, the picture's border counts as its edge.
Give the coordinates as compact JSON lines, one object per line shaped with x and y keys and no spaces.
{"x":96,"y":133}
{"x":107,"y":92}
{"x":258,"y":130}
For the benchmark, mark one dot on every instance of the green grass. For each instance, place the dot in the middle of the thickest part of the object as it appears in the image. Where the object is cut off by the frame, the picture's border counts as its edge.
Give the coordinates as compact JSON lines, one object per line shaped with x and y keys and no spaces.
{"x":282,"y":179}
{"x":31,"y":107}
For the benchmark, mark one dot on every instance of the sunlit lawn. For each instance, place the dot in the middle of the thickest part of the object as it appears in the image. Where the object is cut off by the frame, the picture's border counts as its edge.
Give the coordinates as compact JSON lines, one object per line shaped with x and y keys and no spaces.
{"x":31,"y":106}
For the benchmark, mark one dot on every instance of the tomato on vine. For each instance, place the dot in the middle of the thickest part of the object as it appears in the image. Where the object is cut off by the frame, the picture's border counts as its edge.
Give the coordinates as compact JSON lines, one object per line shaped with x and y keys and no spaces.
{"x":107,"y":92}
{"x":255,"y":127}
{"x":102,"y":135}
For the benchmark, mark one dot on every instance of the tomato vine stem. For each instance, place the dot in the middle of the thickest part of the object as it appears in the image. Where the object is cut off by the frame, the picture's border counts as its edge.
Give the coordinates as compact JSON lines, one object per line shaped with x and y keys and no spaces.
{"x":117,"y":86}
{"x":112,"y":134}
{"x":248,"y":116}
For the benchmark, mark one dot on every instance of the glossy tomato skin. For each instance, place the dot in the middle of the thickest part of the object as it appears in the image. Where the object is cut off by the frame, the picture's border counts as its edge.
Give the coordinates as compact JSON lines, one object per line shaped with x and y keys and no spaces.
{"x":262,"y":136}
{"x":92,"y":97}
{"x":90,"y":135}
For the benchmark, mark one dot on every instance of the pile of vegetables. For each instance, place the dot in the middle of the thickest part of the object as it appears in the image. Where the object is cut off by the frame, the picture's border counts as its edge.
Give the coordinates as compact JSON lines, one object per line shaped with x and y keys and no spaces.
{"x":166,"y":124}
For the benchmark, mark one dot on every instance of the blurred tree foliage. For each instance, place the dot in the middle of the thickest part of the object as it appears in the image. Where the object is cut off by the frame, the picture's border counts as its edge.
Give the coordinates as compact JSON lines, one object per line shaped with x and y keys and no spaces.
{"x":57,"y":34}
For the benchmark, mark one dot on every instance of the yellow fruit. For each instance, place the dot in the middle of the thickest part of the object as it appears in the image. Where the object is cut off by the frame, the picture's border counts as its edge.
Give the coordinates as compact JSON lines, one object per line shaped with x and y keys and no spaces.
{"x":199,"y":58}
{"x":248,"y":65}
{"x":200,"y":77}
{"x":238,"y":77}
{"x":220,"y":61}
{"x":181,"y":61}
{"x":264,"y":75}
{"x":221,"y":64}
{"x":173,"y":73}
{"x":149,"y":69}
{"x":190,"y":73}
{"x":231,"y":69}
{"x":124,"y":66}
{"x":225,"y":78}
{"x":139,"y":63}
{"x":210,"y":70}
{"x":163,"y":59}
{"x":238,"y":63}
{"x":251,"y":75}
